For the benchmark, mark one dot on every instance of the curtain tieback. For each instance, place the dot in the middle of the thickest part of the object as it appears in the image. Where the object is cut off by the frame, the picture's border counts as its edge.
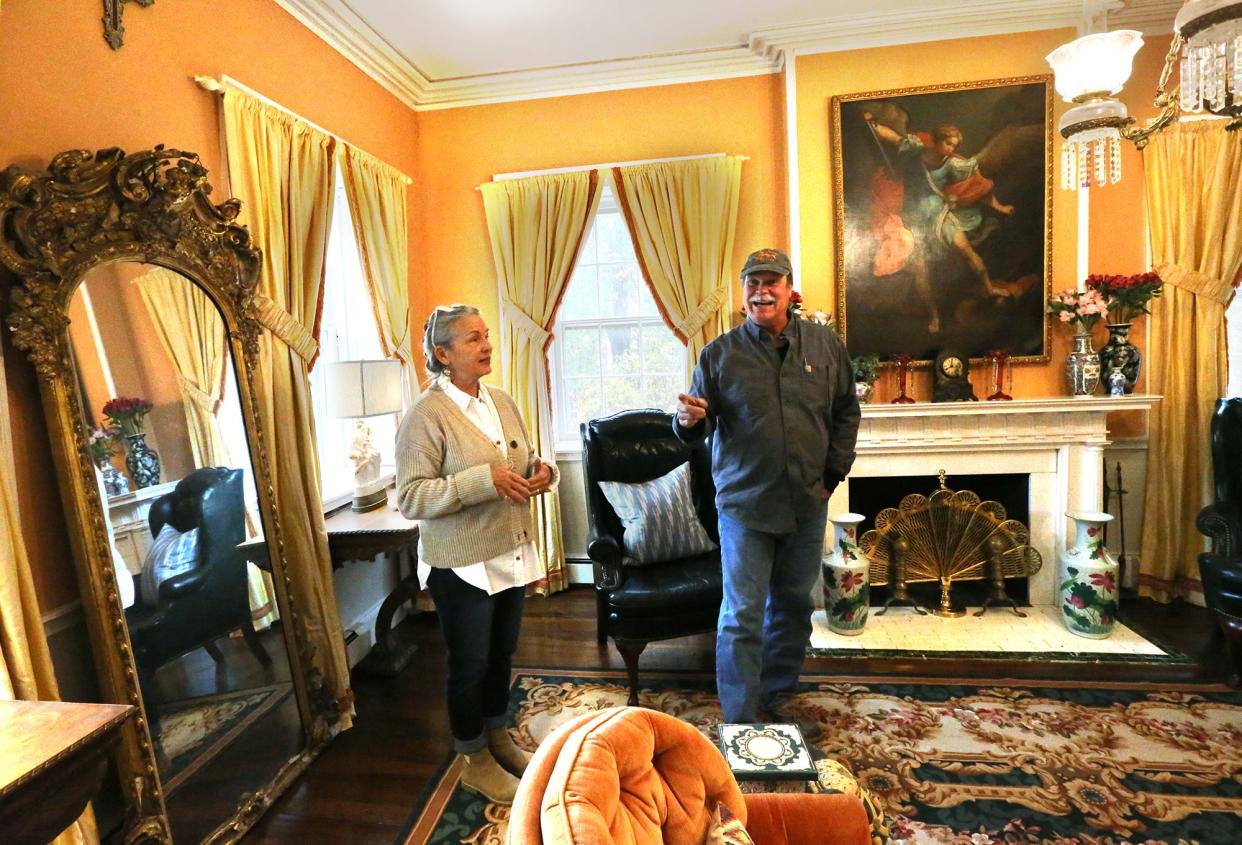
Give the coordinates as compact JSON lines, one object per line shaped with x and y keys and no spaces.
{"x":200,"y":397}
{"x":286,"y":327}
{"x":1192,"y":281}
{"x":696,"y":319}
{"x":524,"y":323}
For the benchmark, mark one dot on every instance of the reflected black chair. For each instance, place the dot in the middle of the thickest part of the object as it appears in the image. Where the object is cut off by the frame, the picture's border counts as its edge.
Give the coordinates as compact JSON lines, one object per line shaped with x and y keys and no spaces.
{"x":207,"y":602}
{"x":636,"y":605}
{"x":1221,"y":569}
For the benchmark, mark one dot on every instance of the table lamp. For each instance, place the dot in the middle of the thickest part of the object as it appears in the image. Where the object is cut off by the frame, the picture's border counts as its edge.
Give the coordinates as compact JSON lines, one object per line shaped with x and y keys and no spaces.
{"x":361,"y":389}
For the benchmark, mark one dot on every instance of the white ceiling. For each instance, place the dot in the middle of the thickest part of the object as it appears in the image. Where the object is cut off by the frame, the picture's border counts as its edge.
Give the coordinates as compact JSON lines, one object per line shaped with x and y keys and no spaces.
{"x":450,"y":39}
{"x":449,"y":53}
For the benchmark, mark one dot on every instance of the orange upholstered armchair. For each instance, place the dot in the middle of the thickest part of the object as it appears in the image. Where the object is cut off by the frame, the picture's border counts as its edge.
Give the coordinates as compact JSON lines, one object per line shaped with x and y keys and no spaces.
{"x":636,"y":776}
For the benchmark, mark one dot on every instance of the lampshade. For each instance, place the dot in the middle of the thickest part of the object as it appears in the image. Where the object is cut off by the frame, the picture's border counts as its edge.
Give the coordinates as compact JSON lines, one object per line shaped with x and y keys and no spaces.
{"x":363,"y":388}
{"x":1095,"y":64}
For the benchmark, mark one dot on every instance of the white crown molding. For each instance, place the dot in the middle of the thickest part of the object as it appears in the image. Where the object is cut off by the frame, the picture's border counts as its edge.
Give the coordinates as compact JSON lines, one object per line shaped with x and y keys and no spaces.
{"x":351,"y":35}
{"x":961,"y":20}
{"x":589,"y":77}
{"x":1150,"y":17}
{"x":355,"y":39}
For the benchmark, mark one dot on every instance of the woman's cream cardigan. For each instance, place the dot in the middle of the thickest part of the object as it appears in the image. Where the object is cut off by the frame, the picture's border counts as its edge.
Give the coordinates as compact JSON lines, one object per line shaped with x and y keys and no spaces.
{"x":444,"y":480}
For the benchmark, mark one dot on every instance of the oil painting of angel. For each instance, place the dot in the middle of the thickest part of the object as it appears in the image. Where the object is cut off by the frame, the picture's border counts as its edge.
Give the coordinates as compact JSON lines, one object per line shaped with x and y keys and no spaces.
{"x":942,"y":217}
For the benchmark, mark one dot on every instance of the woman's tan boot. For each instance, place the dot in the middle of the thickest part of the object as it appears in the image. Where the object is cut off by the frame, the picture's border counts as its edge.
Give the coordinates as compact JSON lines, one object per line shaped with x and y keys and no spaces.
{"x":506,"y":752}
{"x":482,"y":775}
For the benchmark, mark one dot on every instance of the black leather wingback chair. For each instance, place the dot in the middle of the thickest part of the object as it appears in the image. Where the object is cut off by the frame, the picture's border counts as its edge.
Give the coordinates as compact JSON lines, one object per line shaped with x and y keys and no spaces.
{"x":1221,"y":569}
{"x":636,"y":605}
{"x":207,"y":602}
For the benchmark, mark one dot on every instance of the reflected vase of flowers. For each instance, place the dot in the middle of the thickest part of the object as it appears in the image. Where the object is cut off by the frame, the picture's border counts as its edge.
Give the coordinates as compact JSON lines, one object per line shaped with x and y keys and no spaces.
{"x":127,"y":415}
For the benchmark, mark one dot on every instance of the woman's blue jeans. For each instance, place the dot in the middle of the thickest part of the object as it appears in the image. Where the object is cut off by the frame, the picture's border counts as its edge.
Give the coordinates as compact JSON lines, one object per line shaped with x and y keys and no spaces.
{"x":765,"y":617}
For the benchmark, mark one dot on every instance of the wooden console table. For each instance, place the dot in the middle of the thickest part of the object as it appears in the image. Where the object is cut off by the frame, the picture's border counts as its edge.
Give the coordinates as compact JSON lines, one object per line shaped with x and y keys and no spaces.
{"x":366,"y":536}
{"x":53,"y":755}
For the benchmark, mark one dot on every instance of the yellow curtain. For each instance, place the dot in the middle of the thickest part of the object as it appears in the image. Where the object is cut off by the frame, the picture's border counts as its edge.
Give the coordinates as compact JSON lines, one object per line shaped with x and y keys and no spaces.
{"x":537,"y":227}
{"x":282,"y":171}
{"x":377,"y":203}
{"x":25,"y":662}
{"x":1194,"y":212}
{"x":682,"y":216}
{"x":192,"y":333}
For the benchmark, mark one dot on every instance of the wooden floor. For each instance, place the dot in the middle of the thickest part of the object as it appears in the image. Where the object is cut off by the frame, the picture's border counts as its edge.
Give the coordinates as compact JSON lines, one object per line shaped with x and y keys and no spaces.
{"x":363,"y":787}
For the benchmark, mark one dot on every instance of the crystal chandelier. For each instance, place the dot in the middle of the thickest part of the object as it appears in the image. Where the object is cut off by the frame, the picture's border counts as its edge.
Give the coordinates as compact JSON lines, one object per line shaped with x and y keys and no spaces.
{"x":1090,"y":72}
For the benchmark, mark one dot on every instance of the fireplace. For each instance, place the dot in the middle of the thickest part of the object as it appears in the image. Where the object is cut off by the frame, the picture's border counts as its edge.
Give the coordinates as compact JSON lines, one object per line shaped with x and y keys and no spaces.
{"x":1056,"y":445}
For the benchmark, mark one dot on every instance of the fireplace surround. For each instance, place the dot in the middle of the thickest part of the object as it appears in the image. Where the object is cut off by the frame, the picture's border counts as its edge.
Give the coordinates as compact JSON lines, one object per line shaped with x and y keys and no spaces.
{"x":1057,"y":442}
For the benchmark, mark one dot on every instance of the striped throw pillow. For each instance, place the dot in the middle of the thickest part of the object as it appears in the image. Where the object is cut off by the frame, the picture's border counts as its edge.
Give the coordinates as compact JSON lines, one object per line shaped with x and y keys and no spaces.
{"x":659,"y":518}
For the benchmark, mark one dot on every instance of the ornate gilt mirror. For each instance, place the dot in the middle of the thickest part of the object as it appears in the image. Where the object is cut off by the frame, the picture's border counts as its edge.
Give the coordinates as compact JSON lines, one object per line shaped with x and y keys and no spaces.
{"x":136,"y":307}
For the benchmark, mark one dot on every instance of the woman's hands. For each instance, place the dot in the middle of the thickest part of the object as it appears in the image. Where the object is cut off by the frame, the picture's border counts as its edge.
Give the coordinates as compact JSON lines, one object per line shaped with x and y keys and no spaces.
{"x":517,"y":489}
{"x":510,"y":485}
{"x":540,"y":477}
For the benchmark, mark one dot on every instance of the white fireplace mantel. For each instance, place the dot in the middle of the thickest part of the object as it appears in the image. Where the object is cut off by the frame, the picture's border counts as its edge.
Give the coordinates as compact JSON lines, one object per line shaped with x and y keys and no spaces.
{"x":1058,"y":442}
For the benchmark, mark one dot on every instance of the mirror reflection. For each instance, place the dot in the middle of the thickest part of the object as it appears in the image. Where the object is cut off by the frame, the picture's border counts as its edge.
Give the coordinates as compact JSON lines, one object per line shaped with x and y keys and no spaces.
{"x":159,"y":390}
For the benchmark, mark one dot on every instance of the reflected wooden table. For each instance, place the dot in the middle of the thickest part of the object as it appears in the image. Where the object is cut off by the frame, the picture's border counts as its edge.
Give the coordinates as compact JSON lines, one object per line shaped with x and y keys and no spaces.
{"x":53,"y":755}
{"x":362,"y":537}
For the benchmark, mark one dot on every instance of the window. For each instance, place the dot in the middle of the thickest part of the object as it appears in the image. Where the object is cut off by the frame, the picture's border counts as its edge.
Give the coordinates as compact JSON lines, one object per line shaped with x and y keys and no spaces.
{"x":347,"y":332}
{"x":612,"y":351}
{"x":1233,"y":343}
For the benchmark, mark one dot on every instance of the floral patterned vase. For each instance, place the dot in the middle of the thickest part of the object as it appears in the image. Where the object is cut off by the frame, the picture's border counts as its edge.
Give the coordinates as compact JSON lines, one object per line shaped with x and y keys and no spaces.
{"x":847,"y":587}
{"x":141,"y":461}
{"x":1120,"y":354}
{"x":114,"y":482}
{"x":1089,"y":579}
{"x":1082,"y":367}
{"x":863,"y":391}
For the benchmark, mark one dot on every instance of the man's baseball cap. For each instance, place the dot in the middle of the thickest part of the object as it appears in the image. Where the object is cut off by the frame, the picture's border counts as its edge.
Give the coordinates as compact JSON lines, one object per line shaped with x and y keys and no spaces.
{"x":767,"y":261}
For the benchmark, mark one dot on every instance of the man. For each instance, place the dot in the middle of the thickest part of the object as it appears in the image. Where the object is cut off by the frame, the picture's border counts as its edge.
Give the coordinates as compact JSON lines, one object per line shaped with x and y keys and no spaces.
{"x":778,"y":393}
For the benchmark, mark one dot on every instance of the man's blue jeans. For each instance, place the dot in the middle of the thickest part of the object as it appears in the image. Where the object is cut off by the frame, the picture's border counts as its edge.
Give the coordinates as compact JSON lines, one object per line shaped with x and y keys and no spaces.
{"x":765,"y":618}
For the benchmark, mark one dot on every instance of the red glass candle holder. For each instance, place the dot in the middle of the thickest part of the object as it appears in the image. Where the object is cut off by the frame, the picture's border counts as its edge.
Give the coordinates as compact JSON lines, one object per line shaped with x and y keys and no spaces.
{"x":999,"y":359}
{"x":903,"y":374}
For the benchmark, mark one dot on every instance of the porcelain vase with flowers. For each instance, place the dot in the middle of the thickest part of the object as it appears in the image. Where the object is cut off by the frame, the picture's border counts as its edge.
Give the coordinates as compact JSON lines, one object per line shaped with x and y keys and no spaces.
{"x":101,"y":445}
{"x":847,"y":587}
{"x":1089,"y":579}
{"x":128,"y":415}
{"x":1081,"y":309}
{"x":1128,"y":298}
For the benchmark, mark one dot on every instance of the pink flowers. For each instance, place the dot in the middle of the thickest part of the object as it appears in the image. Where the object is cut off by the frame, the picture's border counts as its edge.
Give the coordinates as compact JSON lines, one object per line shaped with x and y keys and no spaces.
{"x":850,"y":580}
{"x":1076,"y":601}
{"x":1104,"y":580}
{"x":1082,"y":308}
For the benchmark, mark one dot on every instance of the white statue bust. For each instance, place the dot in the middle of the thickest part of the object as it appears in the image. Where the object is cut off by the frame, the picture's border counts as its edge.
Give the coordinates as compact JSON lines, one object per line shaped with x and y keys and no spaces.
{"x":365,"y":456}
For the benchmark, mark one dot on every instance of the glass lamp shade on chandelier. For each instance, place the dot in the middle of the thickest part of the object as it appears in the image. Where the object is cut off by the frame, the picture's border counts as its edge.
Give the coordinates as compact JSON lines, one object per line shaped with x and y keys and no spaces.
{"x":1090,"y":72}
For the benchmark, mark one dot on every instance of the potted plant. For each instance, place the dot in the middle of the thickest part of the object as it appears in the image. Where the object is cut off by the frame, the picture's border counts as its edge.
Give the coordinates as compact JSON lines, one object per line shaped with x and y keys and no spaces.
{"x":128,"y":414}
{"x":101,"y":445}
{"x":866,"y":370}
{"x":1128,"y":298}
{"x":1081,"y":309}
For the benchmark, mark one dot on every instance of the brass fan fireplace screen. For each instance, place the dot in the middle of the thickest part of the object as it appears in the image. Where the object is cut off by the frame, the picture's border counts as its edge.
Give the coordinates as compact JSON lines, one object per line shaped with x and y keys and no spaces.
{"x":946,"y":537}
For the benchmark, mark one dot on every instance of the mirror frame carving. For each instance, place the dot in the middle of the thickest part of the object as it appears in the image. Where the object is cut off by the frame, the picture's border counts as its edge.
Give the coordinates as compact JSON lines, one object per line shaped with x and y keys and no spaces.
{"x":151,"y":206}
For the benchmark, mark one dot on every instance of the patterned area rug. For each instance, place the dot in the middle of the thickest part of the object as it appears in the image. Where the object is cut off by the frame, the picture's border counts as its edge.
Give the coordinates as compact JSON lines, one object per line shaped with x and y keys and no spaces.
{"x":1042,"y":764}
{"x":194,"y":730}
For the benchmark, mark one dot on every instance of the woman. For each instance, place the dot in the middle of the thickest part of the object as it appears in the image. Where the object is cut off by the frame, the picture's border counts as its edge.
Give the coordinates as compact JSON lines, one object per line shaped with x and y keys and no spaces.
{"x":466,"y":471}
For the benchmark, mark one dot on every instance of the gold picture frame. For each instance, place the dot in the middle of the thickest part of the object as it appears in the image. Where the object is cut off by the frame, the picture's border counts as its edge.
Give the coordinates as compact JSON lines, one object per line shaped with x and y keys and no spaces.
{"x":944,"y":242}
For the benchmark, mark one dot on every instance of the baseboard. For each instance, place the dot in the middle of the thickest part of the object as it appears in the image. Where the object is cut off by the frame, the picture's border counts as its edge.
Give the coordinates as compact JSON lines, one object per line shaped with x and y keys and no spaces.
{"x":581,"y":570}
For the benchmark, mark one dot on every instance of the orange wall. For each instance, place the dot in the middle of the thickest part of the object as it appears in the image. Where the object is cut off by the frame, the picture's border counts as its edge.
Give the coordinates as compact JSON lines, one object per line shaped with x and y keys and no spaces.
{"x":461,"y":148}
{"x":62,"y":87}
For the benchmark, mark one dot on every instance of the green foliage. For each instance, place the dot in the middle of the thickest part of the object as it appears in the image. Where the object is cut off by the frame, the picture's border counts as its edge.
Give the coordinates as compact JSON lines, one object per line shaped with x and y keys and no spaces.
{"x":866,"y":368}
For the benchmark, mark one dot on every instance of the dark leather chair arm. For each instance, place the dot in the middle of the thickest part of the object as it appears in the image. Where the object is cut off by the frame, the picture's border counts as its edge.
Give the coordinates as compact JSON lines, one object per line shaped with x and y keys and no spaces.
{"x":606,"y":551}
{"x":183,"y":584}
{"x":1224,"y":526}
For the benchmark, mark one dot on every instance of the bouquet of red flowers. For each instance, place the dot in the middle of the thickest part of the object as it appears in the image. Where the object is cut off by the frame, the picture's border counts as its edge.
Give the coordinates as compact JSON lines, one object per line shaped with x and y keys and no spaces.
{"x":126,"y":413}
{"x":1128,"y":296}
